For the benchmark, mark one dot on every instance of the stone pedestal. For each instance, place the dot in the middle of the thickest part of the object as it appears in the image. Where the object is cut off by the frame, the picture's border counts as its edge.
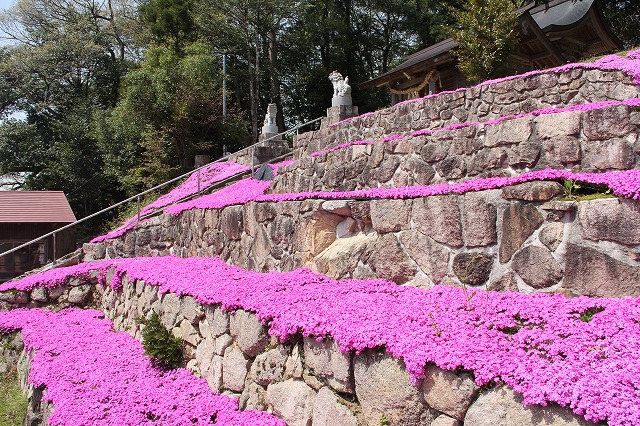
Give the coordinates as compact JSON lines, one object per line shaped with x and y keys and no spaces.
{"x":269,"y":130}
{"x":339,"y":113}
{"x":341,"y":100}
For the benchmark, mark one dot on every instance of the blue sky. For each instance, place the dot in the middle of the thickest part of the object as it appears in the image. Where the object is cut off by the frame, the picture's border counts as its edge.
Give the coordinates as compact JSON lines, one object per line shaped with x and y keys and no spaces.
{"x":5,"y":3}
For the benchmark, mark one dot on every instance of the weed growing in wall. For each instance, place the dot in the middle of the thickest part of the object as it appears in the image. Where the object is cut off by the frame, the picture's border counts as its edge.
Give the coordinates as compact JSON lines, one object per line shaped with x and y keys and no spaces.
{"x":160,"y":345}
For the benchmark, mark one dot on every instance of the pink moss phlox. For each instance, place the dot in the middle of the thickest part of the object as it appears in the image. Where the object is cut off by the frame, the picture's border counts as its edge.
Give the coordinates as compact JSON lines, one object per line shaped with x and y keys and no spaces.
{"x":624,"y":183}
{"x":240,"y":192}
{"x":545,"y":111}
{"x":390,"y":138}
{"x":277,"y":166}
{"x":342,"y":146}
{"x":94,"y":376}
{"x":629,"y":65}
{"x":537,"y":344}
{"x":209,"y":175}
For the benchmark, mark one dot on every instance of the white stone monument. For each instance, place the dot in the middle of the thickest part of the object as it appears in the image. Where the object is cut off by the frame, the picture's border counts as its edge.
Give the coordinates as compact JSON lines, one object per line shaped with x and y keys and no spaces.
{"x":270,"y":127}
{"x":341,"y":103}
{"x":341,"y":90}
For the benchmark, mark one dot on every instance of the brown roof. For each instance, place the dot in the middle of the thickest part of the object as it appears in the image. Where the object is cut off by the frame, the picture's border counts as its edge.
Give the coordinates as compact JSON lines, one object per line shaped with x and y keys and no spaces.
{"x":551,"y":17}
{"x":35,"y":207}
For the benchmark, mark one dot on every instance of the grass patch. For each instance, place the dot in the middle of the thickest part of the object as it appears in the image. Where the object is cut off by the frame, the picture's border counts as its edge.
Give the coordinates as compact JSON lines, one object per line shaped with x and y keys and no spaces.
{"x":574,"y":191}
{"x":622,"y":53}
{"x":13,"y":404}
{"x":588,"y":314}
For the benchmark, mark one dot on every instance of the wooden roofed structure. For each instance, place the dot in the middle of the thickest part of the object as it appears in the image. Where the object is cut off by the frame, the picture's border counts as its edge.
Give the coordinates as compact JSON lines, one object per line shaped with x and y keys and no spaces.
{"x":27,"y":215}
{"x":553,"y":33}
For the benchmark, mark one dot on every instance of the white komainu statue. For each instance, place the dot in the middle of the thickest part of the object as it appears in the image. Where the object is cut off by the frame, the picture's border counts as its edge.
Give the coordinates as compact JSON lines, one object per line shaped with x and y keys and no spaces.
{"x":270,"y":116}
{"x":340,"y":85}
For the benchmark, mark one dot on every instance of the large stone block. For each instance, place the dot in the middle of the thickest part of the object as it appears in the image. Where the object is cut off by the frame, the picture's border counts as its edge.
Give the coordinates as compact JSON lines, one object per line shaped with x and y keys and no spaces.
{"x":389,"y":261}
{"x":341,"y":258}
{"x":439,"y":218}
{"x":551,"y":235}
{"x":329,"y":411}
{"x":390,"y":215}
{"x":248,"y":332}
{"x":472,"y":268}
{"x":552,"y":126}
{"x":269,"y":367}
{"x":607,"y":123}
{"x":170,"y":310}
{"x":561,"y":150}
{"x":431,"y":257}
{"x":235,"y":367}
{"x":318,"y":233}
{"x":232,"y":222}
{"x":610,"y":154}
{"x":387,"y":168}
{"x":385,"y":391}
{"x":292,"y":401}
{"x":447,"y":392}
{"x":508,"y":132}
{"x":191,"y":309}
{"x":502,"y":407}
{"x":518,"y":223}
{"x":326,"y":362}
{"x":217,"y":319}
{"x":610,"y":219}
{"x":590,"y":272}
{"x":254,"y":397}
{"x":537,"y":267}
{"x":533,"y":191}
{"x":419,"y":171}
{"x":479,"y":220}
{"x":444,"y":420}
{"x":451,"y":168}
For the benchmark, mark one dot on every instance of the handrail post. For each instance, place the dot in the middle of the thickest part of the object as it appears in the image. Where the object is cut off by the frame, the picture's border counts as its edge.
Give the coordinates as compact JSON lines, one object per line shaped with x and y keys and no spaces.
{"x":138,"y":207}
{"x":198,"y":181}
{"x":54,"y":246}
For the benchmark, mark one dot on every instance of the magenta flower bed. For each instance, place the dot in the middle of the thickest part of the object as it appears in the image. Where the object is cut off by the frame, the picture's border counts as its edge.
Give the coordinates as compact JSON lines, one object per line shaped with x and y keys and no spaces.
{"x":634,"y":102}
{"x":622,"y":183}
{"x":239,"y":193}
{"x":537,"y":344}
{"x":209,"y":175}
{"x":629,"y":65}
{"x":95,"y":376}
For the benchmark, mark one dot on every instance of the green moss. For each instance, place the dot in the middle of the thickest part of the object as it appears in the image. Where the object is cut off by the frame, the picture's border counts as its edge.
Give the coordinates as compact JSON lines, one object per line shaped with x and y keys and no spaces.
{"x":13,"y":404}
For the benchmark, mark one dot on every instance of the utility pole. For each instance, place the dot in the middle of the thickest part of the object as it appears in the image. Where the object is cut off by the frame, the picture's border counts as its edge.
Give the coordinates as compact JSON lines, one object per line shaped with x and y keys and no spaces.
{"x":224,"y":87}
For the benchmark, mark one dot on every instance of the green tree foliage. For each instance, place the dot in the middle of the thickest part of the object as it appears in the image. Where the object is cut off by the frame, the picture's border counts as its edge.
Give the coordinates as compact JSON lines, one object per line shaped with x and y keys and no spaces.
{"x":64,"y":61}
{"x":623,"y":17}
{"x":486,"y":32}
{"x":169,"y":21}
{"x":170,"y":110}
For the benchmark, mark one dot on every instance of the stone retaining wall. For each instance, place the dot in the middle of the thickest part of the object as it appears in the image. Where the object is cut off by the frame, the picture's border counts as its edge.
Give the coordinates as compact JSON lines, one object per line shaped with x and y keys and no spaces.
{"x":520,"y":238}
{"x":480,"y":103}
{"x":14,"y":357}
{"x":307,"y":381}
{"x":598,"y":140}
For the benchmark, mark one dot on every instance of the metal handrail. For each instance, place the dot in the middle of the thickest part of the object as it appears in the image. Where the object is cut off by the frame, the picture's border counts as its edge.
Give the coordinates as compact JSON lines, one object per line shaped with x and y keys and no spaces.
{"x":138,"y":196}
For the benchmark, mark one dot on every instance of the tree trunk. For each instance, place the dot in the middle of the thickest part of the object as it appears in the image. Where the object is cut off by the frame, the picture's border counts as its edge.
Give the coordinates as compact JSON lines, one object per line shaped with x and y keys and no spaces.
{"x":274,"y":79}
